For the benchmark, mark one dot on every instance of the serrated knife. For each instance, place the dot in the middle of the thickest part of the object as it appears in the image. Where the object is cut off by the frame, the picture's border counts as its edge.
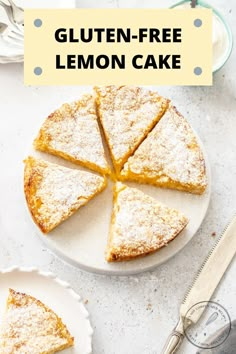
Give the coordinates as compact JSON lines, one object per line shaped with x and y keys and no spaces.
{"x":204,"y":284}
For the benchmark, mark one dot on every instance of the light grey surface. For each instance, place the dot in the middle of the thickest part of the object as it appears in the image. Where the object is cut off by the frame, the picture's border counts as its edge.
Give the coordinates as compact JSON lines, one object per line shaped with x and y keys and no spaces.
{"x":130,"y":315}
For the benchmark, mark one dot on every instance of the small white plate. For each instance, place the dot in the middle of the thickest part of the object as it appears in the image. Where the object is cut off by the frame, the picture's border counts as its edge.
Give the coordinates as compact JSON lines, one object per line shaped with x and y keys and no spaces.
{"x":57,"y":295}
{"x":81,"y":240}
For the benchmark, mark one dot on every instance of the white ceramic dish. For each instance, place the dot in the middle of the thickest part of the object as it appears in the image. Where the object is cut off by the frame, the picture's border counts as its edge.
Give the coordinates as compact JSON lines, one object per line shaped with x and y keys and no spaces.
{"x":57,"y":295}
{"x":222,"y":34}
{"x":11,"y":54}
{"x":81,"y":240}
{"x":7,"y":60}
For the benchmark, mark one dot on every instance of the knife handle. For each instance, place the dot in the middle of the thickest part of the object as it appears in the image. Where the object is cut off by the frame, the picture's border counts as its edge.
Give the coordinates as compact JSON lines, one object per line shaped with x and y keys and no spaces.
{"x":174,"y":340}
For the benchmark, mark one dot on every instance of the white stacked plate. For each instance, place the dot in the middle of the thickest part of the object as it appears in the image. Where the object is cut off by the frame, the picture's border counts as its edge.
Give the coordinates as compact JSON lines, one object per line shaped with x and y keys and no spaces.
{"x":13,"y":54}
{"x":10,"y":53}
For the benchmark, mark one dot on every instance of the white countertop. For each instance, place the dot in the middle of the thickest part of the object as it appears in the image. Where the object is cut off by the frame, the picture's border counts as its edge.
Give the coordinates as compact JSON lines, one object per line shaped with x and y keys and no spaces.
{"x":130,"y":315}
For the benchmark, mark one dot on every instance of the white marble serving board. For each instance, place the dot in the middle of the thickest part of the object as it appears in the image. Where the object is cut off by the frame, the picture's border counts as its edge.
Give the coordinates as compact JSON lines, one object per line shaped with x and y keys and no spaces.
{"x":81,"y":240}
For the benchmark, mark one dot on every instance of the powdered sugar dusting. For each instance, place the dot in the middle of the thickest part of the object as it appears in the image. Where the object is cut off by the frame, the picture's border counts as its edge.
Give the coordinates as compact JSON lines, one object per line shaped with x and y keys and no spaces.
{"x":61,"y":191}
{"x":171,"y":152}
{"x":29,"y":327}
{"x":127,"y":114}
{"x":73,"y":130}
{"x":141,"y":224}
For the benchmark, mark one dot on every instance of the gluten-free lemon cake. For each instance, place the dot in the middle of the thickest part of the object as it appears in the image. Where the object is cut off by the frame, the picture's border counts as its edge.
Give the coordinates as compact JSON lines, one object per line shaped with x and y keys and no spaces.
{"x":127,"y":114}
{"x":30,"y":327}
{"x":140,"y":224}
{"x":169,"y":157}
{"x":149,"y":141}
{"x":53,"y":192}
{"x":72,"y":132}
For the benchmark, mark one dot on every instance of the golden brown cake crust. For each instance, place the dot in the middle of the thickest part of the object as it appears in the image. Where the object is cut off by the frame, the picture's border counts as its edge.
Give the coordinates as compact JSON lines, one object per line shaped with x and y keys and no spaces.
{"x":140,"y":225}
{"x":169,"y":157}
{"x":72,"y":132}
{"x":53,"y":192}
{"x":30,"y":326}
{"x":127,"y":114}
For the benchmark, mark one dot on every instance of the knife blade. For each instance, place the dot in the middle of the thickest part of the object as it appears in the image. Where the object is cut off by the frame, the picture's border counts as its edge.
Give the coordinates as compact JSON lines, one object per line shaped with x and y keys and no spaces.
{"x":204,"y":284}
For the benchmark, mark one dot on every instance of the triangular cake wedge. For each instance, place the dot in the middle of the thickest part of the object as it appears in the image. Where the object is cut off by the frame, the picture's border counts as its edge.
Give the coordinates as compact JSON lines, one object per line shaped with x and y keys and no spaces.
{"x":169,"y":157}
{"x":53,"y":192}
{"x":72,"y":132}
{"x":140,"y":224}
{"x":30,"y":327}
{"x":127,"y":114}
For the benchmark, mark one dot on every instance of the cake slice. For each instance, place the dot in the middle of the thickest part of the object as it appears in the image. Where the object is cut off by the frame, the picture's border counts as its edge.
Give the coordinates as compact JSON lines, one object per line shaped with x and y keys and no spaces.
{"x":30,"y":327}
{"x":72,"y":132}
{"x":169,"y":157}
{"x":140,"y":225}
{"x":127,"y":114}
{"x":53,"y":192}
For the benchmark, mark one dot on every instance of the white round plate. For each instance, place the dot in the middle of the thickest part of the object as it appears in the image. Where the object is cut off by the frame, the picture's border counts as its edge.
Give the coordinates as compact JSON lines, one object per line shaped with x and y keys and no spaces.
{"x":8,"y":60}
{"x":81,"y":240}
{"x":55,"y":294}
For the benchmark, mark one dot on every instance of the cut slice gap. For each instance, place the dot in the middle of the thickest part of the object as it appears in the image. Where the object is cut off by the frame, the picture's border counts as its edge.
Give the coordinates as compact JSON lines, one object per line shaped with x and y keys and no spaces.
{"x":170,"y":157}
{"x":72,"y":133}
{"x":53,"y":193}
{"x":140,"y":225}
{"x":107,"y":151}
{"x":29,"y":326}
{"x":127,"y":114}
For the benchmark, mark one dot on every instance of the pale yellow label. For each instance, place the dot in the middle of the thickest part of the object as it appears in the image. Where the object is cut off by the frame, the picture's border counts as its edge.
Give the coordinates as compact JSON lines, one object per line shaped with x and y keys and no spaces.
{"x":118,"y":46}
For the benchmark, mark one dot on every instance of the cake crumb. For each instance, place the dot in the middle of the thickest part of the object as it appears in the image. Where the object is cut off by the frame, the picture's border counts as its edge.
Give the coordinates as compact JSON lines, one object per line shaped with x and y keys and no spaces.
{"x":213,"y":234}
